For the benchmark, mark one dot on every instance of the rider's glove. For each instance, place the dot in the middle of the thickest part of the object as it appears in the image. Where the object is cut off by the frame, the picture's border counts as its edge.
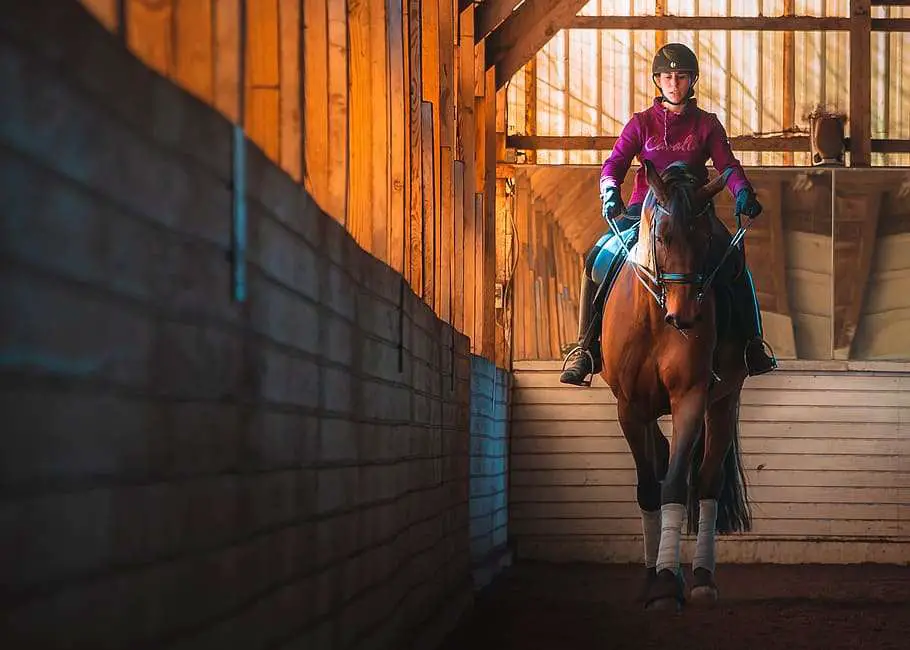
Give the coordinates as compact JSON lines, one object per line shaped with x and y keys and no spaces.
{"x":612,"y":201}
{"x":747,"y":204}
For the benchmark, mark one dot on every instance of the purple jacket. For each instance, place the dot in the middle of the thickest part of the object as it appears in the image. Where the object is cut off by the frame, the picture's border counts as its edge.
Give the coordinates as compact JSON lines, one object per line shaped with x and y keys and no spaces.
{"x":664,"y":137}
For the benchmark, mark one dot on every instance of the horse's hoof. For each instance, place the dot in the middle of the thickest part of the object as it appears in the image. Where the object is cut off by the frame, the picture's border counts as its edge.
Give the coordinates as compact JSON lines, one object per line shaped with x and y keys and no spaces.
{"x":666,"y":592}
{"x":704,"y":591}
{"x":704,"y":596}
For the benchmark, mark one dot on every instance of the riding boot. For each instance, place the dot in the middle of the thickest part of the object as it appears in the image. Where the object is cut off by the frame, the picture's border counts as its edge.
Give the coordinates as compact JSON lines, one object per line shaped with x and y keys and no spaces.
{"x":584,"y":359}
{"x":758,"y":361}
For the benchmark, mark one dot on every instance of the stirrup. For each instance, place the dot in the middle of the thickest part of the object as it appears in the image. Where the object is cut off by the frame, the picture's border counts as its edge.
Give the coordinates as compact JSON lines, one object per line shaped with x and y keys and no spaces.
{"x":766,"y":348}
{"x":587,"y":353}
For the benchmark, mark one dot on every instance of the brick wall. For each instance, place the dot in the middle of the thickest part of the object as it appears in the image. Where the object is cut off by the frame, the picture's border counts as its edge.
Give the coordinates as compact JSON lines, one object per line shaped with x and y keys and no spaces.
{"x":179,"y":470}
{"x":490,"y":389}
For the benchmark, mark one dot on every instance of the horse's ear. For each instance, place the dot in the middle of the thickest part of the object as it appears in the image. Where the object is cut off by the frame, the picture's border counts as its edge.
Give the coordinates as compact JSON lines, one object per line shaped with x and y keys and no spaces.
{"x":655,"y":182}
{"x":707,"y":192}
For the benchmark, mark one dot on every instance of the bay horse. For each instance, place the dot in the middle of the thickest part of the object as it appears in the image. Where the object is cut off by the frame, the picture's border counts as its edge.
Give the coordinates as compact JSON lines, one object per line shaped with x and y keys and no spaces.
{"x":666,"y":352}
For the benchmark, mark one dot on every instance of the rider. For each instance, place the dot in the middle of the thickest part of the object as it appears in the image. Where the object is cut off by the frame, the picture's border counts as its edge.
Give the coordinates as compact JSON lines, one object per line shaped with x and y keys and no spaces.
{"x":672,"y":129}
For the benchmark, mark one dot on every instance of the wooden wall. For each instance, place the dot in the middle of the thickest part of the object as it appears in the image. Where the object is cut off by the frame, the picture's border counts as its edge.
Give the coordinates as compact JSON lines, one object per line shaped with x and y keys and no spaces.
{"x":384,"y":109}
{"x":825,"y":448}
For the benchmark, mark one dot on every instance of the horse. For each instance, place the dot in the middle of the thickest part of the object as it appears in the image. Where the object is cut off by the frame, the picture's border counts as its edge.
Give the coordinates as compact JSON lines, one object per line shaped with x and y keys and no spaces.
{"x":665,"y":351}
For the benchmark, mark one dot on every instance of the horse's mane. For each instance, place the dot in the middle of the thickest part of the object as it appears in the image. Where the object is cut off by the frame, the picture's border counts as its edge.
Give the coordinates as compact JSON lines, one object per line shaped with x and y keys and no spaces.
{"x":680,"y":183}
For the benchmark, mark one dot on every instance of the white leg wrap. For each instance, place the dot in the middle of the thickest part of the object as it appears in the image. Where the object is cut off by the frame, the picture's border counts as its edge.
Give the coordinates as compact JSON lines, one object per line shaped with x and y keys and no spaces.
{"x":650,"y":527}
{"x":671,"y":522}
{"x":704,"y":542}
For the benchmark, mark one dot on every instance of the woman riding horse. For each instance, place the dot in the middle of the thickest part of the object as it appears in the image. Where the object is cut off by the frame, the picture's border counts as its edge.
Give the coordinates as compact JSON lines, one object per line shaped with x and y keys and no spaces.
{"x":673,"y":129}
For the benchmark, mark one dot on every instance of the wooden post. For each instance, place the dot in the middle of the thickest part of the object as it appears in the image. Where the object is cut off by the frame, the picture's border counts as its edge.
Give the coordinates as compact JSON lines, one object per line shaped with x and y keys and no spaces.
{"x":789,"y":81}
{"x":489,"y":240}
{"x":446,"y":258}
{"x":531,"y":102}
{"x":660,"y":9}
{"x":464,"y":151}
{"x":860,"y":83}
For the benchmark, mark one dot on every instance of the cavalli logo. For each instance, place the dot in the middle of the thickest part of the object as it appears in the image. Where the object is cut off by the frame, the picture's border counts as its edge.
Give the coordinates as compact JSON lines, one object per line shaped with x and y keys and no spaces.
{"x":656,"y":143}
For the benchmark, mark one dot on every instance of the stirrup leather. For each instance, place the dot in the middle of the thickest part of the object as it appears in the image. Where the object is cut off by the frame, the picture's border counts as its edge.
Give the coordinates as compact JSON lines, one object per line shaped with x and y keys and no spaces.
{"x":580,"y":350}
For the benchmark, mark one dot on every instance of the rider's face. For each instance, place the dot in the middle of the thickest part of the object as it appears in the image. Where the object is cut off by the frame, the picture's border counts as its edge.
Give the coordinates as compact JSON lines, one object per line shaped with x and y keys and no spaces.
{"x":675,"y":85}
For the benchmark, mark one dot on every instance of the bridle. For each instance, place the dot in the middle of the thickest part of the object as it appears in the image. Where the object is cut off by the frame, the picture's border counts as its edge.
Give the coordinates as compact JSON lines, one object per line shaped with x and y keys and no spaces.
{"x":658,"y":279}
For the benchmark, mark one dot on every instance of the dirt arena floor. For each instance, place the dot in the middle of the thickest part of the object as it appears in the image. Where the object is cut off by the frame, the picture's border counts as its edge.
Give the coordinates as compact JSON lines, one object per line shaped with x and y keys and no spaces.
{"x":534,"y":606}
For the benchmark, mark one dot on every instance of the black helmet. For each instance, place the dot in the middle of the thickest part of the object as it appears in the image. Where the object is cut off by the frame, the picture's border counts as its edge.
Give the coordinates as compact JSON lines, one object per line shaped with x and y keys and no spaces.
{"x":675,"y":57}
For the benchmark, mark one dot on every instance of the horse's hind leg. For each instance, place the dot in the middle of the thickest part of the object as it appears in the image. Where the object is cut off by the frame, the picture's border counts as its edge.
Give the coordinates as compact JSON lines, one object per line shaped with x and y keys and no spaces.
{"x":720,"y":425}
{"x":650,"y":450}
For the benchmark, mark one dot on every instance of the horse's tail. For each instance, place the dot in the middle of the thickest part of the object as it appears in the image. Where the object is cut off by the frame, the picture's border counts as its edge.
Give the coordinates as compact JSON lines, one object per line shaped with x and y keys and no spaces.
{"x":734,"y":515}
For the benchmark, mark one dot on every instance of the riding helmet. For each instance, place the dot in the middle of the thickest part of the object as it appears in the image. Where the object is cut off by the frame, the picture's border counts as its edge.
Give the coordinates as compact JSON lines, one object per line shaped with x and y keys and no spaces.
{"x":675,"y":57}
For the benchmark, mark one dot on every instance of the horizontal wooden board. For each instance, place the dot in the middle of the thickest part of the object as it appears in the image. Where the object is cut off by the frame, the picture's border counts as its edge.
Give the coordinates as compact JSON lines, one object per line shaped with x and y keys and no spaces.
{"x":756,"y":461}
{"x":832,"y":413}
{"x":752,"y":445}
{"x":767,"y":477}
{"x":874,"y":512}
{"x":748,"y":430}
{"x":775,"y":381}
{"x":565,"y":397}
{"x":787,"y":527}
{"x":757,"y":494}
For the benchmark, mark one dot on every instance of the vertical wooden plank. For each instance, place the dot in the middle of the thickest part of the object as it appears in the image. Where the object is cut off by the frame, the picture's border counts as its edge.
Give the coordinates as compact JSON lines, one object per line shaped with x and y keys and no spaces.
{"x":338,"y":141}
{"x":149,"y":34}
{"x":523,"y":308}
{"x":316,"y":92}
{"x":531,"y":101}
{"x":860,"y":83}
{"x":398,"y":138}
{"x":193,"y":47}
{"x":447,"y":39}
{"x":789,"y":81}
{"x":226,"y":89}
{"x":465,"y":133}
{"x":290,"y":22}
{"x":428,"y":177}
{"x":430,"y":62}
{"x":660,"y":9}
{"x":458,"y":266}
{"x":477,"y":327}
{"x":415,"y":160}
{"x":379,"y":65}
{"x":360,"y":125}
{"x":105,"y":11}
{"x":446,"y":259}
{"x":262,"y":77}
{"x":552,"y":291}
{"x":489,"y":190}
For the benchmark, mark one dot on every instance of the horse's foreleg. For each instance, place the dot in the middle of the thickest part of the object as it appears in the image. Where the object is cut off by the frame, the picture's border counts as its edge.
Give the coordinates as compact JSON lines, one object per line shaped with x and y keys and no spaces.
{"x":645,"y":441}
{"x":719,"y":429}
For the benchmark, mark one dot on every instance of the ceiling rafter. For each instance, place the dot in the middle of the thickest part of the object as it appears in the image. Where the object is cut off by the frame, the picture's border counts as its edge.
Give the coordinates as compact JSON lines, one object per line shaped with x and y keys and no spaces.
{"x":524,"y":32}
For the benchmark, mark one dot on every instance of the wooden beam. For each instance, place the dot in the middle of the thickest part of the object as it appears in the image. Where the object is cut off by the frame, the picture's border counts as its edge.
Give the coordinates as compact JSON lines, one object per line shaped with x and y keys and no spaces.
{"x":488,"y":15}
{"x":581,"y":142}
{"x":739,"y":143}
{"x":891,"y":24}
{"x":860,"y":84}
{"x":531,"y":104}
{"x":716,"y":23}
{"x":465,"y":151}
{"x":524,"y":32}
